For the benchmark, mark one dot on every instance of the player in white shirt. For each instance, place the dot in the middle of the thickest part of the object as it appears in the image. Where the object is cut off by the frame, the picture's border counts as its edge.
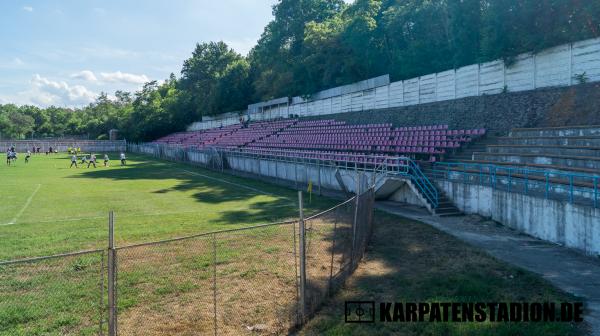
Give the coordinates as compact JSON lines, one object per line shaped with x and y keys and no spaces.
{"x":27,"y":156}
{"x":73,"y":161}
{"x":123,"y":159}
{"x":92,"y":161}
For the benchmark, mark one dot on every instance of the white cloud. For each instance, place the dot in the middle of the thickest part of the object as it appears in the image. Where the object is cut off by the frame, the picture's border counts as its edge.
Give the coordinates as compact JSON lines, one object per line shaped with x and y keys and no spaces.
{"x":18,"y":62}
{"x":46,"y":92}
{"x":28,"y":9}
{"x":85,"y":75}
{"x":123,"y":77}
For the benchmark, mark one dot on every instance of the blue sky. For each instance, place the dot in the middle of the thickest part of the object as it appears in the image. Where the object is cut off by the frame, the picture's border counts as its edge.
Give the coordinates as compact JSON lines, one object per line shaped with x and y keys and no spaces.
{"x":65,"y":52}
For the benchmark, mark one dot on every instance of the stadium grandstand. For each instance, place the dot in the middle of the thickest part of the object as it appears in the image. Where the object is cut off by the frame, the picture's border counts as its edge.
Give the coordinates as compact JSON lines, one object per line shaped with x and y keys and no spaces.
{"x":330,"y":139}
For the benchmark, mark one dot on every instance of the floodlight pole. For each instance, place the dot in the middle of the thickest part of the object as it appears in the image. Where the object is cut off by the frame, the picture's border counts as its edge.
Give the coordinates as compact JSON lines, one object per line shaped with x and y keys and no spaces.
{"x":355,"y":221}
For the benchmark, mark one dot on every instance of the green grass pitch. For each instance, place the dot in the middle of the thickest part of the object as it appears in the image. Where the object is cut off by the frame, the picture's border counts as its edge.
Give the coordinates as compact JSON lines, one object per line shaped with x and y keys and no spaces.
{"x":49,"y":208}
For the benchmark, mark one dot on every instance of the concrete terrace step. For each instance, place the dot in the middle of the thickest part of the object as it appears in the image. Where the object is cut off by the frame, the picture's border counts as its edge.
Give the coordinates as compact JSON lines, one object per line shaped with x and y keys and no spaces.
{"x":587,"y":141}
{"x":566,"y":131}
{"x":575,"y":151}
{"x":550,"y":168}
{"x":542,"y":159}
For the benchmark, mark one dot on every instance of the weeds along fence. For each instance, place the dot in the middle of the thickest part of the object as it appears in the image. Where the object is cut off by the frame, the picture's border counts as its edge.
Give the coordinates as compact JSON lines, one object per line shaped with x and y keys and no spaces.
{"x":269,"y":279}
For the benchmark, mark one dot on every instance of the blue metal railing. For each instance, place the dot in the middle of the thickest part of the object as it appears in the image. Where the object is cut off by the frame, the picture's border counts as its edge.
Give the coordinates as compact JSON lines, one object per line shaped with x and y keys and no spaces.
{"x":572,"y":187}
{"x":423,"y":183}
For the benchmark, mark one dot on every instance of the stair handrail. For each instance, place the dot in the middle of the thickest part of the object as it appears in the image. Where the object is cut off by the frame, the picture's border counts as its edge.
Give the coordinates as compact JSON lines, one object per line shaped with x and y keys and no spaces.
{"x":423,"y":183}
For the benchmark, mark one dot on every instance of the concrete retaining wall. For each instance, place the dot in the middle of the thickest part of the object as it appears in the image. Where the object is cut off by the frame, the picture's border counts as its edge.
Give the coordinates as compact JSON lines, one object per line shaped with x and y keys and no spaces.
{"x":300,"y":173}
{"x":560,"y":222}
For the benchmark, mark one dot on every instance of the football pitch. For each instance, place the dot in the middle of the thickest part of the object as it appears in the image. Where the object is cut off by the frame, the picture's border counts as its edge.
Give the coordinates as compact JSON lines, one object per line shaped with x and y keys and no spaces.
{"x":164,"y":289}
{"x":49,"y":208}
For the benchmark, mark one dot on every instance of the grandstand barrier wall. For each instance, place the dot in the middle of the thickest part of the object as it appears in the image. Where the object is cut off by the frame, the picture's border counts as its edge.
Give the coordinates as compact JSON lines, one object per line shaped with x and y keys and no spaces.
{"x":299,"y":173}
{"x":556,"y":220}
{"x":277,"y":275}
{"x":578,"y":188}
{"x":62,"y":145}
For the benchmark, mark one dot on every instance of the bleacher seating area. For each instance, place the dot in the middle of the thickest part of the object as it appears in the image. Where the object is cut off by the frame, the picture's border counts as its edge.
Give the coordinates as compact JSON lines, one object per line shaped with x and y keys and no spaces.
{"x":328,"y":139}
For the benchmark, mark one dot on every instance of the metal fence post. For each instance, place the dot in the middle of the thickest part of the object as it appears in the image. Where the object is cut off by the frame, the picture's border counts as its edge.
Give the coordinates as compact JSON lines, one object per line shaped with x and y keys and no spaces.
{"x":214,"y":248}
{"x":355,"y":222}
{"x":302,"y":260}
{"x":112,"y":293}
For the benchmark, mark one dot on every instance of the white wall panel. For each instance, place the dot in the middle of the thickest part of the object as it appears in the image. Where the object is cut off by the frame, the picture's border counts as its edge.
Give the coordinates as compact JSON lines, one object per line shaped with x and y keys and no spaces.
{"x":467,"y":81}
{"x":411,"y":91}
{"x":445,"y":85}
{"x":553,"y":67}
{"x":396,"y":93}
{"x":427,"y":88}
{"x":586,"y":59}
{"x":491,"y":77}
{"x":520,"y":74}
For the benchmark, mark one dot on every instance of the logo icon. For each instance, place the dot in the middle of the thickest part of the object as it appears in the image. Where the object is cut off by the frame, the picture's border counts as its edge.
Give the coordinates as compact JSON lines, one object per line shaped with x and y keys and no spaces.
{"x":360,"y":311}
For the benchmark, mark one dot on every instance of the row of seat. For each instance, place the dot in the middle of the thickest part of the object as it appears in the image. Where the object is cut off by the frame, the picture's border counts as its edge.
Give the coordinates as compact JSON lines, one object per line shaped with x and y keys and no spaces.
{"x":329,"y":135}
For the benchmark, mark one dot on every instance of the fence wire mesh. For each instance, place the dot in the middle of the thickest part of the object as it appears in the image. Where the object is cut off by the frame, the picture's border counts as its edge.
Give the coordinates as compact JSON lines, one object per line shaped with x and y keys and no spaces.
{"x":232,"y":282}
{"x":335,"y":242}
{"x":54,"y":296}
{"x":165,"y":288}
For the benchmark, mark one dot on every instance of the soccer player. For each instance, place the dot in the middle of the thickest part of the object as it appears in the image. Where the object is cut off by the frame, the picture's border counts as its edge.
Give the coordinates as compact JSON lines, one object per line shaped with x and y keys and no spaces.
{"x":8,"y":157}
{"x":13,"y":156}
{"x":73,"y":161}
{"x":92,"y":161}
{"x":83,"y":159}
{"x":106,"y":163}
{"x":27,"y":156}
{"x":123,"y":159}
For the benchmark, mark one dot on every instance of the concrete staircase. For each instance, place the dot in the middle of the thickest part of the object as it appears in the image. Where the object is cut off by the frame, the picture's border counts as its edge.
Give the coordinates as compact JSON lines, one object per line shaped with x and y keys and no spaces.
{"x":445,"y":206}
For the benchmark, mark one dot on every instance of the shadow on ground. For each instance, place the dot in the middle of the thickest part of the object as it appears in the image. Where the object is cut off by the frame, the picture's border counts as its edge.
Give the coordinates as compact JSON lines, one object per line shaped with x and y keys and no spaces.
{"x":408,"y":261}
{"x":209,"y":191}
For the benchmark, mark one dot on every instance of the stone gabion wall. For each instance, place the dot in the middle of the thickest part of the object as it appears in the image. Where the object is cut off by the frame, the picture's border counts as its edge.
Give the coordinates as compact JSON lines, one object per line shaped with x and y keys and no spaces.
{"x":561,"y":106}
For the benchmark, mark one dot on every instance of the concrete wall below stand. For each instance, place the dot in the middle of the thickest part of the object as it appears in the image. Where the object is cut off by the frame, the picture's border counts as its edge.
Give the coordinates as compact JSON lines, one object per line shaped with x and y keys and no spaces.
{"x":560,"y":222}
{"x":302,"y":174}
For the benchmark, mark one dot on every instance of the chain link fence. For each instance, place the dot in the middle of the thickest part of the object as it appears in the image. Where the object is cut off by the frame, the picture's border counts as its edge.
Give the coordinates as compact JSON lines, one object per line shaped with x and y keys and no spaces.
{"x":268,"y":279}
{"x":58,"y":295}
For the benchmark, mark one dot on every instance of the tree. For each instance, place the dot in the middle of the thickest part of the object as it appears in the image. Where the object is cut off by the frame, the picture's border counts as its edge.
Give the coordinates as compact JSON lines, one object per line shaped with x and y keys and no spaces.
{"x":201,"y":75}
